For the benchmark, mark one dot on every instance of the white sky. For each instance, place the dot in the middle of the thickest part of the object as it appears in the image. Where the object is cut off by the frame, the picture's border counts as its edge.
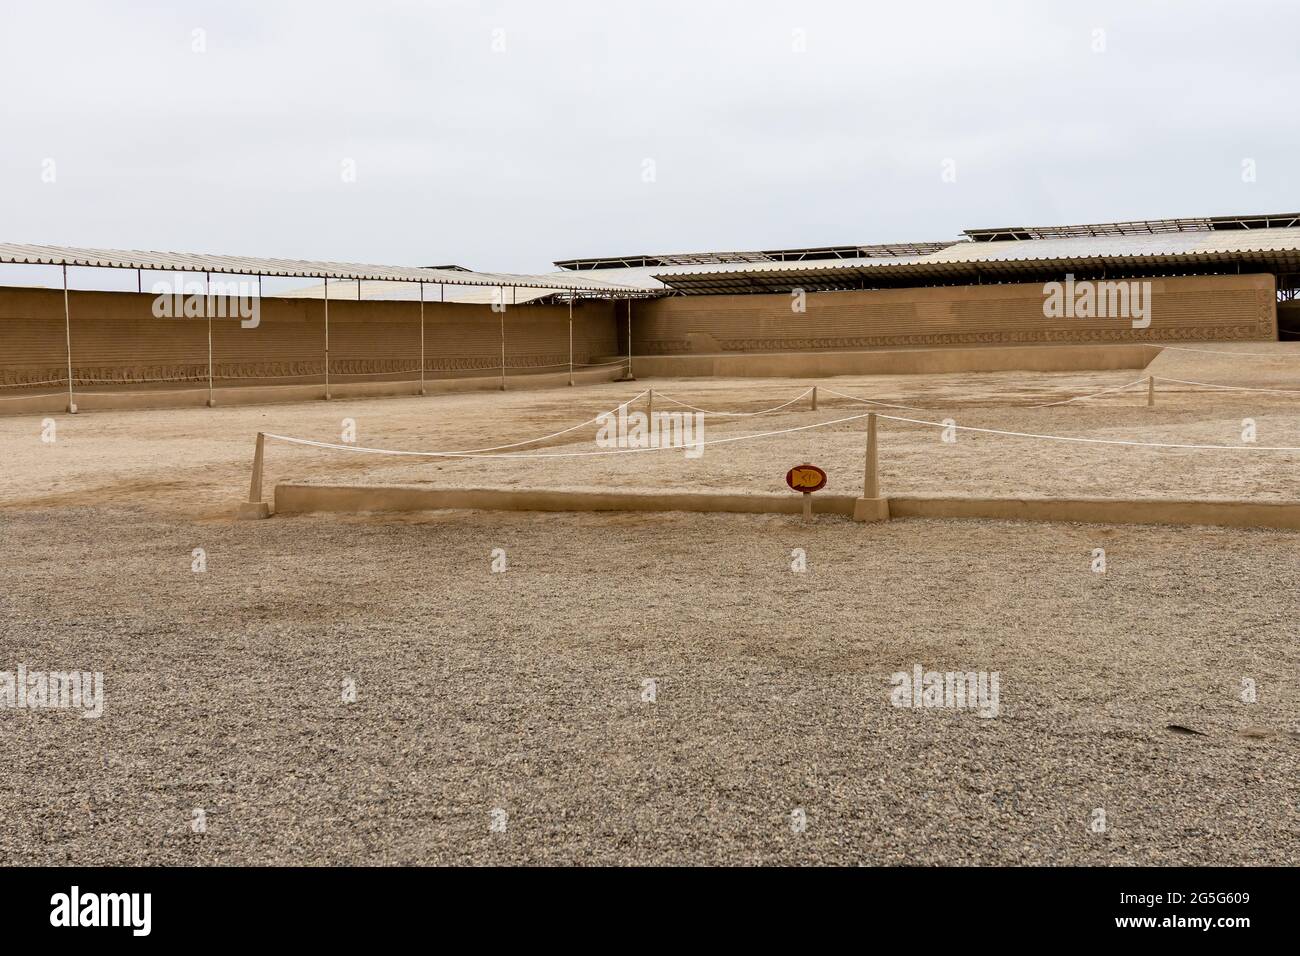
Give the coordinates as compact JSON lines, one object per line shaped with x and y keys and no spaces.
{"x":506,"y":160}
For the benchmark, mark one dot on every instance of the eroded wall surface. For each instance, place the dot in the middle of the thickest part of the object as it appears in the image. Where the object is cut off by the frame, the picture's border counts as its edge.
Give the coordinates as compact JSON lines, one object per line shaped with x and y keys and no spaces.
{"x":1213,"y":308}
{"x":116,"y":337}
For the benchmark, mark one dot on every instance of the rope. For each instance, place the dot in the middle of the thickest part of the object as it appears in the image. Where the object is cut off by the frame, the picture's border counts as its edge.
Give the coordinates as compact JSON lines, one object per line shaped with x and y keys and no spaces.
{"x":576,"y":454}
{"x":1079,"y":398}
{"x":1233,"y":388}
{"x":705,"y":411}
{"x":19,"y":398}
{"x":868,"y":401}
{"x":1089,"y":441}
{"x":1183,"y":348}
{"x":590,"y":421}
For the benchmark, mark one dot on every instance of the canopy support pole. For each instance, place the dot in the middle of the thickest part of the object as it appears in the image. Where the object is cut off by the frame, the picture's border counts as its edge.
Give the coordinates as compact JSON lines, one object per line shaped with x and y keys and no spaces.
{"x":421,"y":338}
{"x":502,"y":290}
{"x":327,"y":338}
{"x":67,"y":331}
{"x":570,"y":339}
{"x":630,"y":376}
{"x":207,"y":311}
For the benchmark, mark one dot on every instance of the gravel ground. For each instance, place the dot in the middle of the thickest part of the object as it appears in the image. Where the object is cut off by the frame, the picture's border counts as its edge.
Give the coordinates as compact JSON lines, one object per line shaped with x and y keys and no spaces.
{"x":195,"y":462}
{"x":523,"y":691}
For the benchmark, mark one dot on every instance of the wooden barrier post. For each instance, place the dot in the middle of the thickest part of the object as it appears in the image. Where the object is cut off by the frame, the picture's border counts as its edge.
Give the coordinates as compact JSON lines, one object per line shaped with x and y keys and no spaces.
{"x":814,"y":398}
{"x":1151,"y":391}
{"x":650,"y":407}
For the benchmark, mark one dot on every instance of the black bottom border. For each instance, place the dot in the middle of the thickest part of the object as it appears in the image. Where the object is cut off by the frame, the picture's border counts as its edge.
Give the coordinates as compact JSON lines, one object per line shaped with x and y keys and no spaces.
{"x":335,"y":905}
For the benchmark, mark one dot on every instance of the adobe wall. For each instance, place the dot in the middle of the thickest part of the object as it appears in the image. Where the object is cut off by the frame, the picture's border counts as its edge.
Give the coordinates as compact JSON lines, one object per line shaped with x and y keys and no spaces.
{"x":115,"y":336}
{"x":1199,"y":308}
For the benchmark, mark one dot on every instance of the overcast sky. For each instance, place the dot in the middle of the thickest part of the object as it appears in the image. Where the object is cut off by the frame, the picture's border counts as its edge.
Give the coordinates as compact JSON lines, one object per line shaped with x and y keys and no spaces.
{"x":502,"y":136}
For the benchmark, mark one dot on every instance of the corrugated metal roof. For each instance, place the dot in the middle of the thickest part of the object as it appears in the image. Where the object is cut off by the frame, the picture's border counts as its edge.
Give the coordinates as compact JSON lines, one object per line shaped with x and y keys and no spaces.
{"x":1275,"y":249}
{"x":410,"y":292}
{"x":244,"y":265}
{"x":1140,"y":226}
{"x":878,"y":250}
{"x":1157,"y":244}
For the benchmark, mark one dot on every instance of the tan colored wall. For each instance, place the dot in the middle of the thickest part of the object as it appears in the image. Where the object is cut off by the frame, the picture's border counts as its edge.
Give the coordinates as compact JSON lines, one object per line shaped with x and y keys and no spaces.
{"x":116,"y":336}
{"x":1201,"y":308}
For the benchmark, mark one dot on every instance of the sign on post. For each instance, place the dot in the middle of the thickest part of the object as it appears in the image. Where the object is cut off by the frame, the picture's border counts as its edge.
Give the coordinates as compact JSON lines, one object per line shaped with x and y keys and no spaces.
{"x":806,"y":479}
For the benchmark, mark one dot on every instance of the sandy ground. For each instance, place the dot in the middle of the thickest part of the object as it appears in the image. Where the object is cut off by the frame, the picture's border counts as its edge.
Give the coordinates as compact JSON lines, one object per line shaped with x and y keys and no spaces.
{"x":196,"y":462}
{"x":523,"y":691}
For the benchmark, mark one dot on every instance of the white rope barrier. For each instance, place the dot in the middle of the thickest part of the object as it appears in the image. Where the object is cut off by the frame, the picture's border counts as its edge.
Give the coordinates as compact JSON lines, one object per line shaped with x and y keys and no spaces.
{"x":1089,"y":441}
{"x":1080,"y":398}
{"x":1183,"y":348}
{"x":870,"y":401}
{"x":783,"y":431}
{"x":578,"y":454}
{"x":532,"y":441}
{"x":19,"y":398}
{"x":1231,"y":388}
{"x":704,"y":411}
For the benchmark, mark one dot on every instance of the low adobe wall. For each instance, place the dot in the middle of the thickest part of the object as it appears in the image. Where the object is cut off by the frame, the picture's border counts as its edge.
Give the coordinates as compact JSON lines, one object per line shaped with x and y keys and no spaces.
{"x":293,"y":497}
{"x":297,"y":498}
{"x":1057,"y":358}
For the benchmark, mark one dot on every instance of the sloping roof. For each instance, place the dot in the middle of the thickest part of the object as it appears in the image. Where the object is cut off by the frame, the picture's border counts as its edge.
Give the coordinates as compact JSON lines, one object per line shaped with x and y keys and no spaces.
{"x":766,"y":255}
{"x":410,"y":292}
{"x":1271,"y":249}
{"x":1135,"y":227}
{"x":244,"y":265}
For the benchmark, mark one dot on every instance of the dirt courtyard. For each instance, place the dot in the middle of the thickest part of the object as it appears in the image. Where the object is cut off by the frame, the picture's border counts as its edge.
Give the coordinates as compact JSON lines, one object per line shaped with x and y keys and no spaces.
{"x":480,"y":688}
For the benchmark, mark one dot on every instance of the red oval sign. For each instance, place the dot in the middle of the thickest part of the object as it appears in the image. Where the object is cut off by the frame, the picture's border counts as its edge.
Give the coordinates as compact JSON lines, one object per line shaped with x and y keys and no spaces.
{"x":806,"y":478}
